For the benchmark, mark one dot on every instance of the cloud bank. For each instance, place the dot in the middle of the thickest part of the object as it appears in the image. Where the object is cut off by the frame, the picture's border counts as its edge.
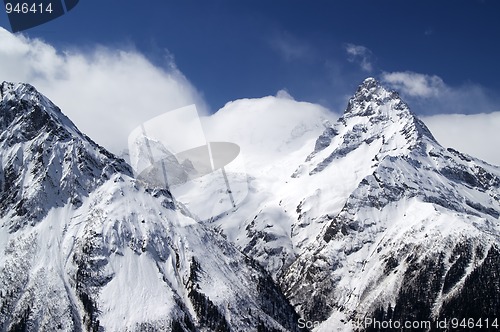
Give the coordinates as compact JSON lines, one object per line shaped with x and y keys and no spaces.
{"x":475,"y":134}
{"x":109,"y":92}
{"x":106,"y":92}
{"x":429,"y":94}
{"x":414,"y":84}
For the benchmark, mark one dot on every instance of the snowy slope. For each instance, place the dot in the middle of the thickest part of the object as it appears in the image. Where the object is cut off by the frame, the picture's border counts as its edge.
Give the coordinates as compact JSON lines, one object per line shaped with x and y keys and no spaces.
{"x":45,"y":161}
{"x":371,"y":218}
{"x":274,"y":134}
{"x":362,"y":217}
{"x":83,"y":246}
{"x":412,"y":234}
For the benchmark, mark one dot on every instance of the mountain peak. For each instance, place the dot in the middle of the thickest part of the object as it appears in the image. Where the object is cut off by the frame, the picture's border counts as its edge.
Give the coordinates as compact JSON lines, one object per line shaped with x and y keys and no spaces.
{"x":370,"y":86}
{"x":369,"y":82}
{"x":381,"y":105}
{"x":375,"y":116}
{"x":10,"y":87}
{"x":373,"y":98}
{"x":41,"y":146}
{"x":25,"y":113}
{"x":17,"y":92}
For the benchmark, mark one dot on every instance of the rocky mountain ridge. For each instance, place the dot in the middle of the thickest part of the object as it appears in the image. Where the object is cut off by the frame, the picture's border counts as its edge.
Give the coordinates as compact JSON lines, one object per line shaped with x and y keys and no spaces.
{"x":85,"y":247}
{"x":377,"y":220}
{"x":365,"y":217}
{"x":417,"y":228}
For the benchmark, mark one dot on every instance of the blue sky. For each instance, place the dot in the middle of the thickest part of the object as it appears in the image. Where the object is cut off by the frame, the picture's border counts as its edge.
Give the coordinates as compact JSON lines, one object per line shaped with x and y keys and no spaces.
{"x":319,"y":51}
{"x":113,"y":64}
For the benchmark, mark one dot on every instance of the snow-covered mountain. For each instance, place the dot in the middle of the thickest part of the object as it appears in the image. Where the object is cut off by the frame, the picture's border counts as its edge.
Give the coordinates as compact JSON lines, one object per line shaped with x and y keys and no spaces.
{"x":373,"y":218}
{"x":417,"y":237}
{"x":84,"y":247}
{"x":350,"y":220}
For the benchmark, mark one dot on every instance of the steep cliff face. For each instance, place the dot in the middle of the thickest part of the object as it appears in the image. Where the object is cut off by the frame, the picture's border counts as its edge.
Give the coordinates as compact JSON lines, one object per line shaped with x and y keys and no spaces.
{"x":373,"y":218}
{"x":413,"y":236}
{"x":46,"y":161}
{"x":84,"y":247}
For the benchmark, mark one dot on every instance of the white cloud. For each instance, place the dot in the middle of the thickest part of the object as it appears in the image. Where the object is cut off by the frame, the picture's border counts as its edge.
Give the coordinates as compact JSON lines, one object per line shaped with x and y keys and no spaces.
{"x":107,"y":93}
{"x":464,"y":117}
{"x":415,"y":84}
{"x":284,"y":94}
{"x":361,"y":55}
{"x":429,"y":94}
{"x":268,"y":128}
{"x":475,"y":134}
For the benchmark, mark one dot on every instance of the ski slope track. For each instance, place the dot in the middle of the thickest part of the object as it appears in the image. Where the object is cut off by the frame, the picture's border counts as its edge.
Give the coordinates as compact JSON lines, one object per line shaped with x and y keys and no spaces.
{"x":365,"y":216}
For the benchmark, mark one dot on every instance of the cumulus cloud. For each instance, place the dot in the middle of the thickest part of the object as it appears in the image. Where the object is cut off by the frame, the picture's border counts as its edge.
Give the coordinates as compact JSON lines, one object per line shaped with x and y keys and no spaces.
{"x":106,"y":92}
{"x":429,"y":94}
{"x":268,"y":128}
{"x":361,"y":55}
{"x":414,"y":84}
{"x":474,"y":134}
